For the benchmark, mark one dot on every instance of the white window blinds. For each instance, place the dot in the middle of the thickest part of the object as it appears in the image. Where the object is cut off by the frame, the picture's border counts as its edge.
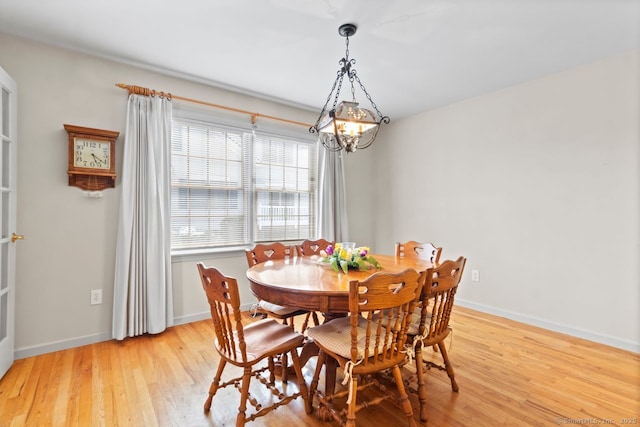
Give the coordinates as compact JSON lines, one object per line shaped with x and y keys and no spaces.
{"x":233,"y":186}
{"x":284,"y":189}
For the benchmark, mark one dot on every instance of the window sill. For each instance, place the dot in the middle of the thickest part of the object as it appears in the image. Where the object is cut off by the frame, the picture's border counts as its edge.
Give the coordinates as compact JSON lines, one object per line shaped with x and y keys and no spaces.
{"x":186,"y":255}
{"x":198,"y":254}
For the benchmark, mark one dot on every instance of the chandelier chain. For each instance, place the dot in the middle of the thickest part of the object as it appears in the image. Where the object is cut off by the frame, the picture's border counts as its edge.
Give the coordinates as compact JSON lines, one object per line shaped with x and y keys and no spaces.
{"x":353,"y":88}
{"x":335,"y":98}
{"x":346,"y":50}
{"x":350,"y":72}
{"x":324,"y":108}
{"x":373,"y":104}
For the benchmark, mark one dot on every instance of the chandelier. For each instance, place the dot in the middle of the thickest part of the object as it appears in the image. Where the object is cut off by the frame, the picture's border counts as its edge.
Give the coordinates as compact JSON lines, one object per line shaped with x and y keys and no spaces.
{"x":346,"y":125}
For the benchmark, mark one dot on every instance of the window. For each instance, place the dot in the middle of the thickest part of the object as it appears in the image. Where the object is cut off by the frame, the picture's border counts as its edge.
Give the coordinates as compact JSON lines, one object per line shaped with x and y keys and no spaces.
{"x":232,"y":186}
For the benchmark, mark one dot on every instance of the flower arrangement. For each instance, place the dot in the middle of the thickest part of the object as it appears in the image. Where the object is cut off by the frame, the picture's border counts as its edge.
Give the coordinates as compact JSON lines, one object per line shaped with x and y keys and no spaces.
{"x":343,"y":257}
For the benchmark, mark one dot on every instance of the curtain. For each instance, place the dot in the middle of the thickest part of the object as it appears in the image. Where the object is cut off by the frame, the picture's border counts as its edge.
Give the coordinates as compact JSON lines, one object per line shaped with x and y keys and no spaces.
{"x":143,"y":301}
{"x":332,"y":199}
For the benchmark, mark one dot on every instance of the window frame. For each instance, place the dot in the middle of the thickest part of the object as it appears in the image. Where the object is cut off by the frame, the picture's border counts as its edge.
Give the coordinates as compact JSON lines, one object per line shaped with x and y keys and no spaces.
{"x":231,"y":122}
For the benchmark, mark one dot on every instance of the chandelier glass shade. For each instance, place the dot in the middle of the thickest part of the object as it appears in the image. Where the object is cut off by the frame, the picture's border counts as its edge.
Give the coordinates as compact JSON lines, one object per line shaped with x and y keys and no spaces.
{"x":347,"y":126}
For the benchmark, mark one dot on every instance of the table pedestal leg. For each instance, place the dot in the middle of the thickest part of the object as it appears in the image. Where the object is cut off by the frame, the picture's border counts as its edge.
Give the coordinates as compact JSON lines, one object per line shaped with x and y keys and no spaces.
{"x":309,"y":350}
{"x":330,"y":368}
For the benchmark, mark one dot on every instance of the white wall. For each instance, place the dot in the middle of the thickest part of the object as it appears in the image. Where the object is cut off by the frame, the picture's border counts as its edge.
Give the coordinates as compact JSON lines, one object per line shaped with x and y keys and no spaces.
{"x":550,"y":164}
{"x":537,"y":185}
{"x":70,"y":239}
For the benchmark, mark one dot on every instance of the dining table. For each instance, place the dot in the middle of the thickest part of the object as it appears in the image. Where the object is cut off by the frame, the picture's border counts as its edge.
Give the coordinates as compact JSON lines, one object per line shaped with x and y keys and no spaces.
{"x":310,"y":283}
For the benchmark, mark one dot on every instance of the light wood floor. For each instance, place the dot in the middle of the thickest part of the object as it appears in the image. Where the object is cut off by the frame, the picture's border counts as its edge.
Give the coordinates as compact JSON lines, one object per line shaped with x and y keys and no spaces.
{"x":509,"y":374}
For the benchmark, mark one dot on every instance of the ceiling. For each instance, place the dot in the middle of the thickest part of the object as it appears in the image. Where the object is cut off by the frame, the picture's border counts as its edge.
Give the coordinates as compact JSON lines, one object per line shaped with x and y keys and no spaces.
{"x":411,"y":55}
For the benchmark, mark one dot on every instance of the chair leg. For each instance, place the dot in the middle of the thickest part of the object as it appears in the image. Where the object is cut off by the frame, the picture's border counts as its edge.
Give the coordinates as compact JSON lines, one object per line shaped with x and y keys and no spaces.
{"x":404,"y":398}
{"x":214,"y":385}
{"x":272,"y":369}
{"x":305,"y":324}
{"x":447,"y":365}
{"x":422,"y":387}
{"x":302,"y":384}
{"x":351,"y":409}
{"x":284,"y":360}
{"x":316,"y":375}
{"x":244,"y":394}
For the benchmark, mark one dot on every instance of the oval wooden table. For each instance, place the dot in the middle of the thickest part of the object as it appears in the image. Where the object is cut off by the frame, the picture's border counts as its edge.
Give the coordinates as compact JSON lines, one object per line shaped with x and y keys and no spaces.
{"x":307,"y":283}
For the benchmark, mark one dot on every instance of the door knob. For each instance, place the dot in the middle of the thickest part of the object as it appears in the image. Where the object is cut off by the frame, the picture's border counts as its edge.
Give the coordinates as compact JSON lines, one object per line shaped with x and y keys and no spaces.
{"x":15,"y":237}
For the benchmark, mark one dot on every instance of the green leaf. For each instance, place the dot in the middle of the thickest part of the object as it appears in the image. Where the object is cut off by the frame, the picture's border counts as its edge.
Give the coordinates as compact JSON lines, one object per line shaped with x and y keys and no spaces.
{"x":344,"y":265}
{"x":362,"y":265}
{"x":371,"y":260}
{"x":334,"y":264}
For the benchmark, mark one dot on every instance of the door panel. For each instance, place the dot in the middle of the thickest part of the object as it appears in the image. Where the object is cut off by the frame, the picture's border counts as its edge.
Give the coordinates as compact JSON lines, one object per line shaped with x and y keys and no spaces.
{"x":8,"y":185}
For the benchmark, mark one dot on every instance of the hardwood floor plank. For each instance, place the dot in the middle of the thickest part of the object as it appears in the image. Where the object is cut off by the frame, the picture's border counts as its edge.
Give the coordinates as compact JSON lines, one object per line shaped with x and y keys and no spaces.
{"x":509,"y":374}
{"x":62,"y":371}
{"x":35,"y":404}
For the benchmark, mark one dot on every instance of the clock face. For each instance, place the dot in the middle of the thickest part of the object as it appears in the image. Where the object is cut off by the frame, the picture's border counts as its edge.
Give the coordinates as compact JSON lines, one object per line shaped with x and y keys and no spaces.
{"x":91,"y":153}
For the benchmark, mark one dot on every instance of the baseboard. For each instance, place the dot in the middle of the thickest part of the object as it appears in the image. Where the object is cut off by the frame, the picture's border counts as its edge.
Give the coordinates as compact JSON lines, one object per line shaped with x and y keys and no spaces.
{"x":192,"y":318}
{"x":574,"y":332}
{"x":21,"y":353}
{"x":24,"y":352}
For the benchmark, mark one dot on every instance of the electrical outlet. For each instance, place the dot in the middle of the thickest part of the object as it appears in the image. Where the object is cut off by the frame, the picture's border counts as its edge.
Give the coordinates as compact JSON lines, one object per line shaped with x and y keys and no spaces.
{"x":96,"y":296}
{"x":475,"y":275}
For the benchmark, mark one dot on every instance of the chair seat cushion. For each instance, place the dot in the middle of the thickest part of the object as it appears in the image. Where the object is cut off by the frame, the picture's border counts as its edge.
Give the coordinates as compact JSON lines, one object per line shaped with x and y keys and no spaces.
{"x":263,"y":338}
{"x":335,"y":336}
{"x":414,"y":323}
{"x":280,"y":310}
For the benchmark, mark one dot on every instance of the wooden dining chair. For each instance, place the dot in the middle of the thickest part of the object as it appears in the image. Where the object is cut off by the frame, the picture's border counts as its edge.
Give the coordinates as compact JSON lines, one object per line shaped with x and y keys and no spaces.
{"x":419,"y":250}
{"x":427,"y":251}
{"x":369,"y":340}
{"x":247,"y":346}
{"x":309,"y":248}
{"x":313,"y":247}
{"x":265,"y":252}
{"x":437,"y":303}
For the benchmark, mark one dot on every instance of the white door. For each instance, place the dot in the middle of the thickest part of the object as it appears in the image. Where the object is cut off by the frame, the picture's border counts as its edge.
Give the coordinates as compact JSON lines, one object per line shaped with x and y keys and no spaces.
{"x":8,"y":185}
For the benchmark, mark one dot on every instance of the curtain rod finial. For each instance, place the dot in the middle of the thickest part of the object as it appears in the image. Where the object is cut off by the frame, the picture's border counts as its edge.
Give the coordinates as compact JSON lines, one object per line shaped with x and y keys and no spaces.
{"x":137,"y":90}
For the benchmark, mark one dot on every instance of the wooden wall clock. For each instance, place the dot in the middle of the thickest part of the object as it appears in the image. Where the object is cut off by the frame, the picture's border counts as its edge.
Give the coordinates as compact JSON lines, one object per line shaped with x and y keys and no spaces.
{"x":92,"y":158}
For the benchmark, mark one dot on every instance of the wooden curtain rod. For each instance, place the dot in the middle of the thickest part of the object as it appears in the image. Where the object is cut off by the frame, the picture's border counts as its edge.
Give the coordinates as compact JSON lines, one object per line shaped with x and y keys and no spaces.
{"x":138,"y":90}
